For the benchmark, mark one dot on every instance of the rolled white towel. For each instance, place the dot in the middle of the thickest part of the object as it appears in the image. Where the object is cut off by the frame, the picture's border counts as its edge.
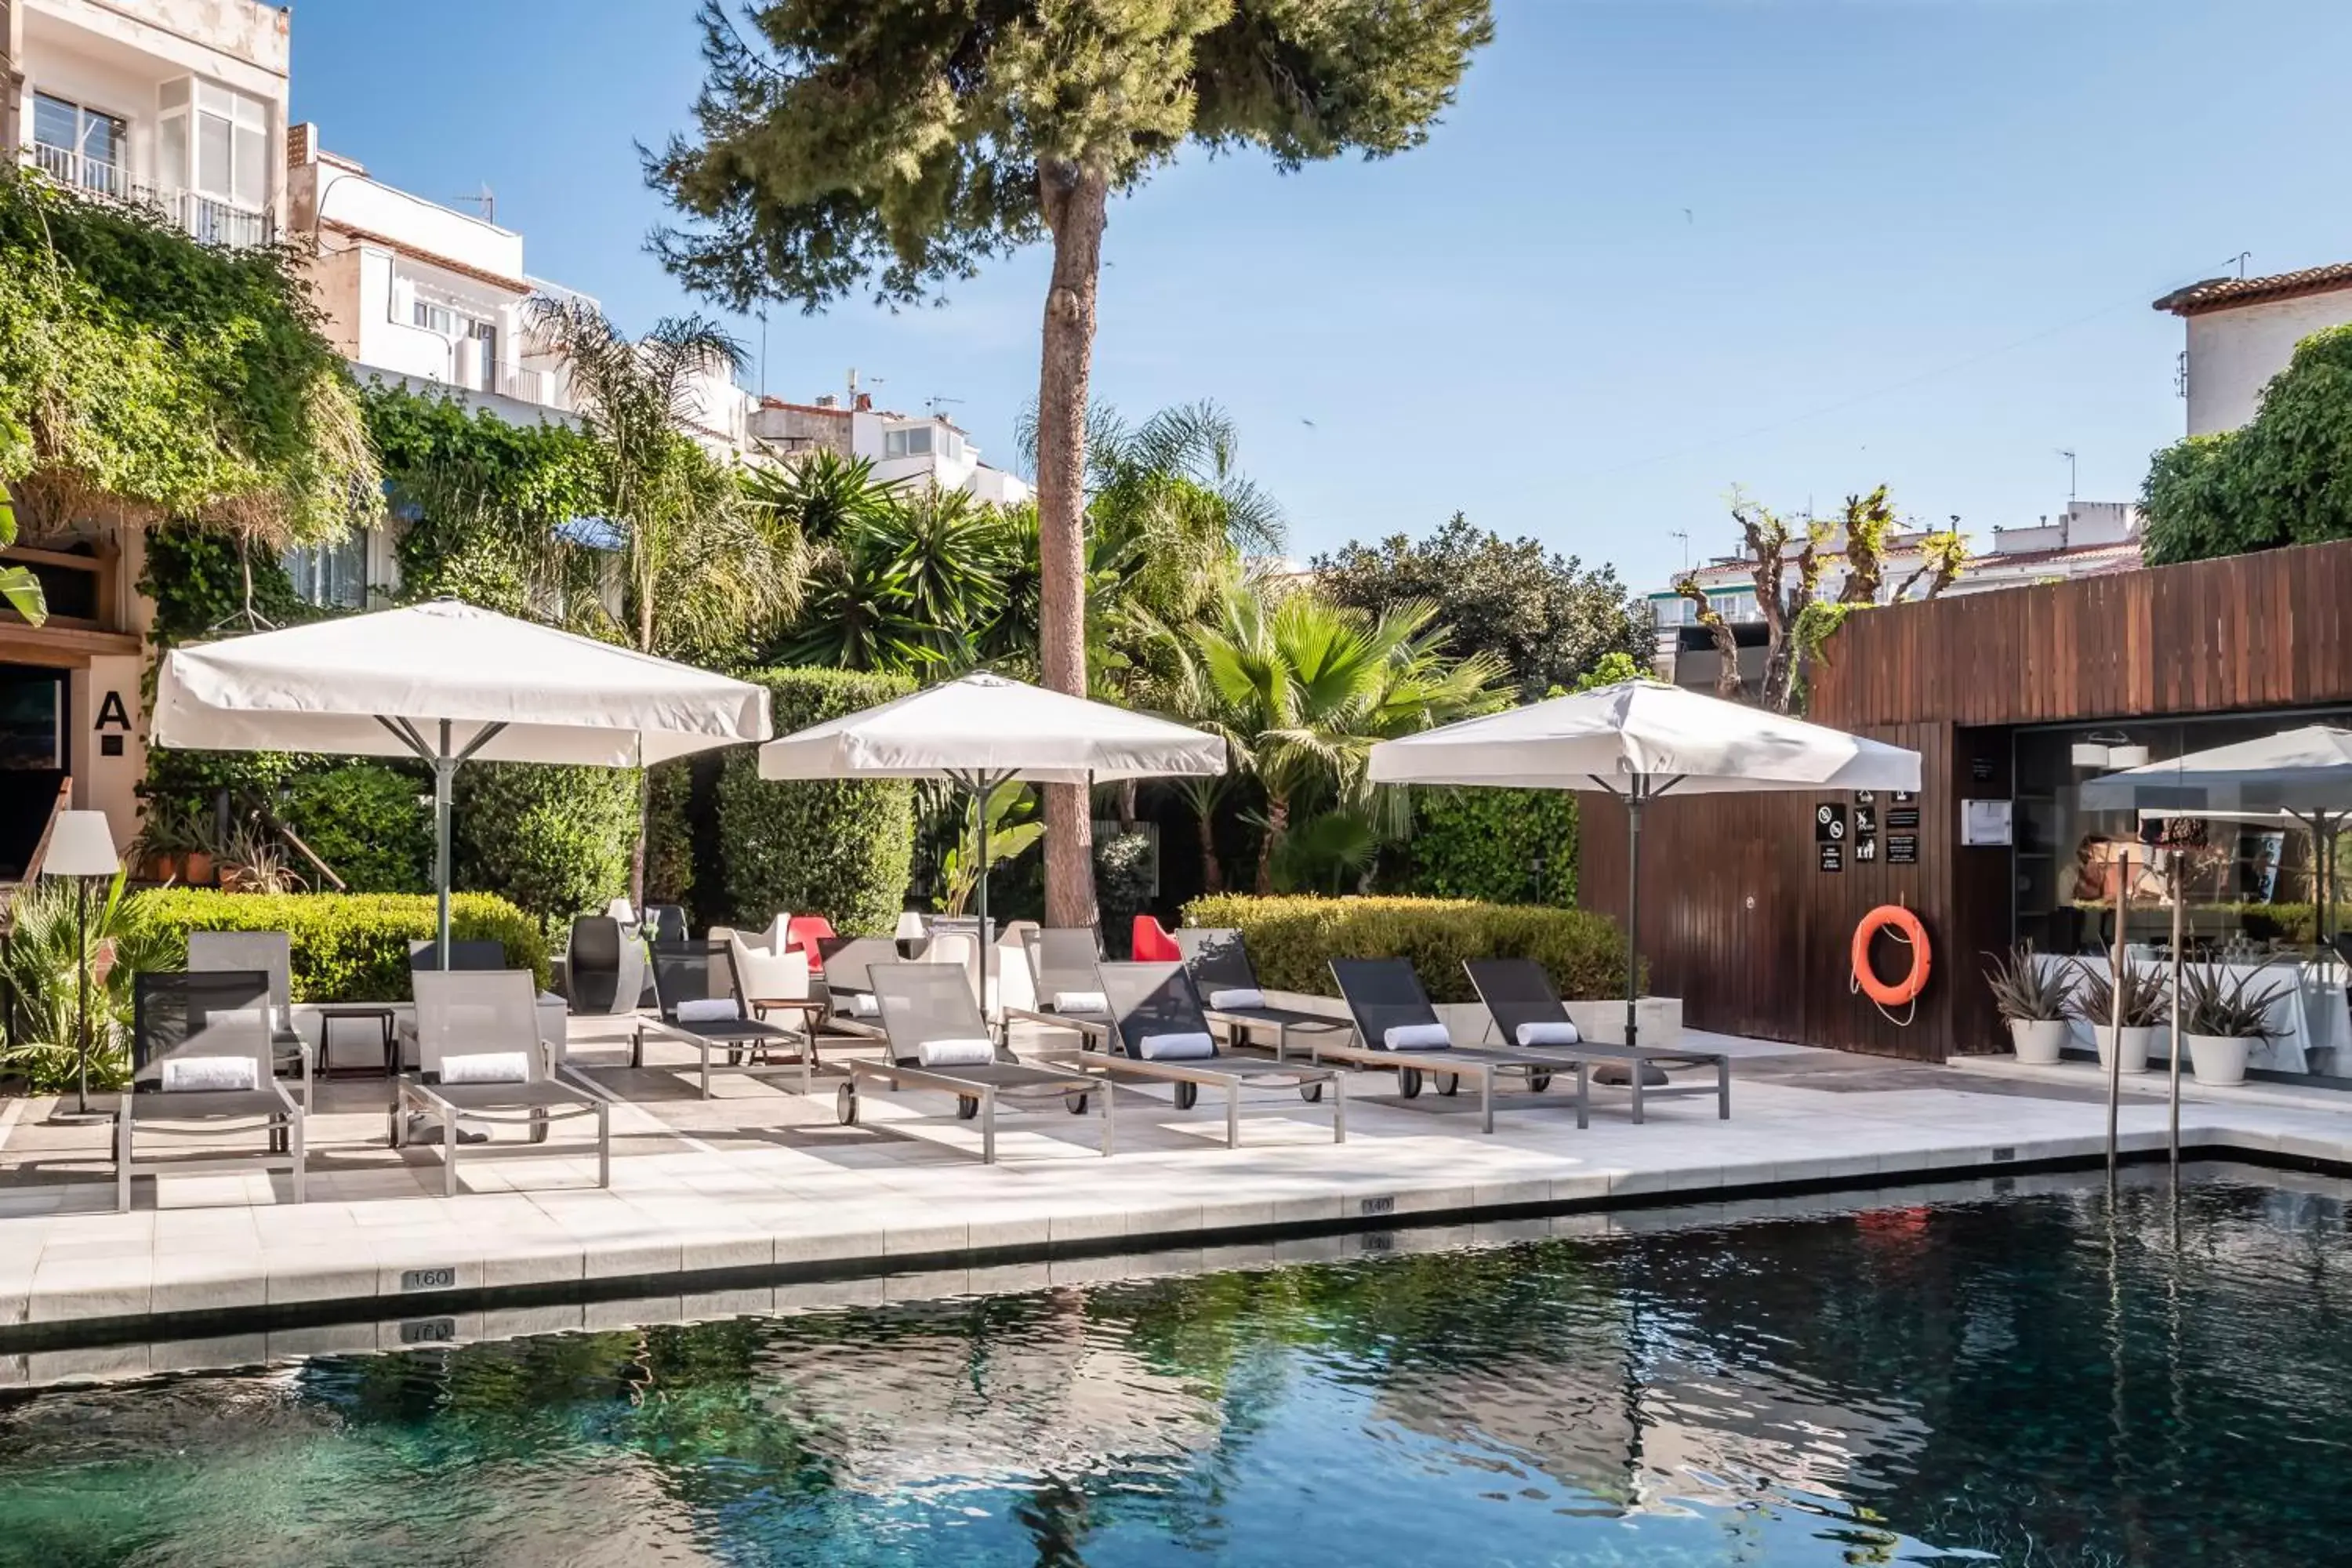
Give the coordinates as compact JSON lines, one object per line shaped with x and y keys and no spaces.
{"x":1417,"y":1038}
{"x":1189,"y":1045}
{"x":486,"y":1067}
{"x":1239,"y":998}
{"x":1550,"y":1032}
{"x":957,"y":1053}
{"x":210,"y":1075}
{"x":1081,"y":1001}
{"x":709,"y":1010}
{"x":862,"y":1004}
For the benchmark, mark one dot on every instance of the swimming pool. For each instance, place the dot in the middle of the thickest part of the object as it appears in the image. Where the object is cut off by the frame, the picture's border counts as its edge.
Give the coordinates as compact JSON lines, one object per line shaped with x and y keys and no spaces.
{"x":2039,"y":1380}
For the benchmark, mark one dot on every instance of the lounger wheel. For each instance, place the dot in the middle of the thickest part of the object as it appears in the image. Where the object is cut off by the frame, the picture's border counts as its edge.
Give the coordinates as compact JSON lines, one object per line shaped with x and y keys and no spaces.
{"x":1539,"y":1082}
{"x":1409,"y":1082}
{"x":967,"y":1107}
{"x":844,"y":1104}
{"x":1075,"y":1104}
{"x":1311,"y":1092}
{"x":1188,"y":1095}
{"x":1449,"y":1083}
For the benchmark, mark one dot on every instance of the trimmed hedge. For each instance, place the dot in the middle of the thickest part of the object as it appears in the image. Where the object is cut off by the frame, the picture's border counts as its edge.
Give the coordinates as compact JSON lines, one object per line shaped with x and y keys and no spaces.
{"x":1502,"y":845}
{"x":1292,"y":940}
{"x":350,"y":947}
{"x":363,"y":819}
{"x":844,"y":851}
{"x":554,"y":840}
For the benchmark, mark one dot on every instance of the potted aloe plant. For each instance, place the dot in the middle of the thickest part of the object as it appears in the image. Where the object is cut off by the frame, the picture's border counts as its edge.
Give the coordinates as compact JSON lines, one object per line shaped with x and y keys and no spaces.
{"x":2222,"y":1022}
{"x":2032,"y":997}
{"x":2143,"y":1011}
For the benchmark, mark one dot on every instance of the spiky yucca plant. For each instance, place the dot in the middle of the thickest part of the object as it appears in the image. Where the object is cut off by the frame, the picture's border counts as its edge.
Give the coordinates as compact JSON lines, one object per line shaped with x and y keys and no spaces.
{"x":41,"y":959}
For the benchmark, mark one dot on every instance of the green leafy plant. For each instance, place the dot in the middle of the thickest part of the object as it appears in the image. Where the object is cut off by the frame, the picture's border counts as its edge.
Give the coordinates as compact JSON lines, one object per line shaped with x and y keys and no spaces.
{"x":2026,"y":991}
{"x":40,"y":962}
{"x":366,"y":821}
{"x":18,"y":586}
{"x":347,"y":947}
{"x":1292,"y":940}
{"x":1012,"y":829}
{"x":1327,"y":852}
{"x":255,"y":860}
{"x":2284,"y":478}
{"x":1122,"y":881}
{"x":2144,"y":1004}
{"x":553,"y":841}
{"x":2214,"y":1001}
{"x":844,"y":849}
{"x":1501,"y":845}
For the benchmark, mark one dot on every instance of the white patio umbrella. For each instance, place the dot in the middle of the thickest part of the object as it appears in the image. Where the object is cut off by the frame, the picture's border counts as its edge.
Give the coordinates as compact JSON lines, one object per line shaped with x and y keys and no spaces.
{"x":1639,"y":739}
{"x":980,"y":730}
{"x":447,"y":683}
{"x":2305,"y":774}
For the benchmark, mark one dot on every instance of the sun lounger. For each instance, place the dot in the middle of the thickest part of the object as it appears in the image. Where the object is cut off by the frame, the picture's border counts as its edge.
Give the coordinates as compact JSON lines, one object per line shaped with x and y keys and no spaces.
{"x":1398,"y":1031}
{"x":1223,"y":977}
{"x":848,"y":984}
{"x":1526,"y":1011}
{"x":272,"y":953}
{"x":702,"y":1005}
{"x":479,"y":1057}
{"x":204,"y":1059}
{"x":939,"y":1041}
{"x":1158,"y":1032}
{"x":1069,"y":991}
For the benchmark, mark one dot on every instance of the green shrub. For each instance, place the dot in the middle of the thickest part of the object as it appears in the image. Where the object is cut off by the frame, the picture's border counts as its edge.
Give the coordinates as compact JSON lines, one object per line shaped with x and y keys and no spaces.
{"x":347,"y":947}
{"x":844,"y":851}
{"x":1122,"y":883}
{"x":554,"y":840}
{"x":365,"y":820}
{"x":1502,"y":845}
{"x":1292,"y":940}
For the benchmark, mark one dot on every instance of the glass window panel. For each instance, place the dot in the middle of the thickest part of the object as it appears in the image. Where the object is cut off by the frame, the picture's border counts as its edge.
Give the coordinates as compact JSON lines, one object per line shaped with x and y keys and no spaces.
{"x":252,"y":187}
{"x":215,"y":99}
{"x":101,"y":138}
{"x":214,"y":144}
{"x":54,"y":121}
{"x":172,"y":153}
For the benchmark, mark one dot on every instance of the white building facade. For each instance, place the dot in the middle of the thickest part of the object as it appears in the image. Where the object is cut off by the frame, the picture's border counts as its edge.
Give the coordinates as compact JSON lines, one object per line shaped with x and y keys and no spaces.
{"x":905,"y":448}
{"x":177,"y":103}
{"x":2243,"y":330}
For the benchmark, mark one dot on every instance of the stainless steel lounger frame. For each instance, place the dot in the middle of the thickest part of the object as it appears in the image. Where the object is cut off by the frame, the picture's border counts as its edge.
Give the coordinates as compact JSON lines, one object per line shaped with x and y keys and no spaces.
{"x":1143,"y":995}
{"x":1356,"y":979}
{"x":1054,"y":956}
{"x":708,"y":967}
{"x":1524,"y":994}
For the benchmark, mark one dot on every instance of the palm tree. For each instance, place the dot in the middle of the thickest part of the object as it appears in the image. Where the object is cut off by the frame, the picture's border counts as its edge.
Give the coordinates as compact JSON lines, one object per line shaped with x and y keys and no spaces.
{"x":822,"y":494}
{"x":1302,"y":689}
{"x":700,"y":569}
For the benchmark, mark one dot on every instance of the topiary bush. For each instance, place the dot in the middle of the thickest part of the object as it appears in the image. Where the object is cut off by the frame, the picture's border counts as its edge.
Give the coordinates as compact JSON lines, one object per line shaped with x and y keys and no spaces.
{"x":366,"y":822}
{"x":845,"y":850}
{"x":1122,"y":884}
{"x":553,"y":841}
{"x":1500,"y":845}
{"x":1292,"y":940}
{"x":347,"y":947}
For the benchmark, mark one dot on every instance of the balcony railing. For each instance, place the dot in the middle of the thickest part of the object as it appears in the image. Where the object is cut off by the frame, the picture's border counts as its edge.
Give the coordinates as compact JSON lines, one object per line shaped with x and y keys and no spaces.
{"x":210,"y":219}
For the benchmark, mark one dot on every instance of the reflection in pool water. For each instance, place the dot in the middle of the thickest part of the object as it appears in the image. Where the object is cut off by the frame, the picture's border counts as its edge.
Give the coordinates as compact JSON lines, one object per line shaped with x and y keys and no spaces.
{"x":2032,"y":1380}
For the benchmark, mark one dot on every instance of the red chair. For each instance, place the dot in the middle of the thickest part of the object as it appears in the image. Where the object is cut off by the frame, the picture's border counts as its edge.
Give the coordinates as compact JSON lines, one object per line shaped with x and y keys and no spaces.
{"x":804,"y":932}
{"x":1152,"y":944}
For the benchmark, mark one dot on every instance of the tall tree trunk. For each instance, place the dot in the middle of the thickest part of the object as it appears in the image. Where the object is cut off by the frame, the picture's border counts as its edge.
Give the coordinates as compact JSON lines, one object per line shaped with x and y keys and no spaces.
{"x":1212,"y":875}
{"x":1277,"y":823}
{"x":1073,"y":198}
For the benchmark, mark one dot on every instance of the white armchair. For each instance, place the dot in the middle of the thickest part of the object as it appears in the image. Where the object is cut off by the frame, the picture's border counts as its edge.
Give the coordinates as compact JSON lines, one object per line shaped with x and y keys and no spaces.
{"x":764,"y":970}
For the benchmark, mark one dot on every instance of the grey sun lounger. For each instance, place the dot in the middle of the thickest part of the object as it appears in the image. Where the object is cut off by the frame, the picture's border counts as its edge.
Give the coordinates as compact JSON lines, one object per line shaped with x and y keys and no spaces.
{"x":1153,"y":1008}
{"x":702,"y":1005}
{"x":479,"y":1058}
{"x":1524,"y":1003}
{"x":1063,"y":962}
{"x":939,"y":1041}
{"x":849,"y":962}
{"x":204,"y":1059}
{"x":1219,"y":966}
{"x":1385,"y":998}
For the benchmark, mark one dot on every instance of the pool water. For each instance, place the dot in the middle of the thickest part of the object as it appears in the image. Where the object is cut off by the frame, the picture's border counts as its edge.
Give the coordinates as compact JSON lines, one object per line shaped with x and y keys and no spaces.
{"x":2035,"y":1381}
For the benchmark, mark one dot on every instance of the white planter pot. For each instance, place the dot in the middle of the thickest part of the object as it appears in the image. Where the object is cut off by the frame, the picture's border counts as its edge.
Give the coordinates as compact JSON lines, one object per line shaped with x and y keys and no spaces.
{"x":2134,"y":1051}
{"x":2038,"y":1040}
{"x":2219,"y":1060}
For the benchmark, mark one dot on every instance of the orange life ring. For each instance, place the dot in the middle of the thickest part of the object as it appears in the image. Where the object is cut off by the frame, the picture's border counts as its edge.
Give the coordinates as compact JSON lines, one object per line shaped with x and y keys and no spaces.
{"x":1906,"y":925}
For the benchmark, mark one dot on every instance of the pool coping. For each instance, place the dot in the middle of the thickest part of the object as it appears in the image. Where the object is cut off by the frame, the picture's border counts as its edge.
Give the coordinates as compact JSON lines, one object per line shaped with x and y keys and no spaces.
{"x":66,"y":1322}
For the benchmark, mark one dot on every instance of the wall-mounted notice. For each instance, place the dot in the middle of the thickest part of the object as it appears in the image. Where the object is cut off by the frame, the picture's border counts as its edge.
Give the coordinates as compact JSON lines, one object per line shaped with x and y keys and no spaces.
{"x":1985,"y":821}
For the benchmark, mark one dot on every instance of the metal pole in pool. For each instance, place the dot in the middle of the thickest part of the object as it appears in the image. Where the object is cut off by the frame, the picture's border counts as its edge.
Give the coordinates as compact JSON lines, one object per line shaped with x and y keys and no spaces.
{"x":2172,"y":882}
{"x":1633,"y":910}
{"x":2115,"y":998}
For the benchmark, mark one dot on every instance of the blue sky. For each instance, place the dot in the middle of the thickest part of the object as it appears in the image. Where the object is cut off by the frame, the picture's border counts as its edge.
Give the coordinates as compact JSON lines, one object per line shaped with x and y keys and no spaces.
{"x":1660,"y":248}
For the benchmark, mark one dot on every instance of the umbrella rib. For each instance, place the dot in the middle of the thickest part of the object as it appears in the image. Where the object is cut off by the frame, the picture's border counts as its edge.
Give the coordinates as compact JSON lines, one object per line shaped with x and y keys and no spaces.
{"x":405,"y":734}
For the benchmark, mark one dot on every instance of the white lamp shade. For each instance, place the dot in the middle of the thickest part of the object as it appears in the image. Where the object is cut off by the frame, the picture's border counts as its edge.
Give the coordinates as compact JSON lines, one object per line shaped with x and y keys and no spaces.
{"x":910,"y":926}
{"x":2126,"y":756}
{"x":2090,"y":754}
{"x":81,"y":845}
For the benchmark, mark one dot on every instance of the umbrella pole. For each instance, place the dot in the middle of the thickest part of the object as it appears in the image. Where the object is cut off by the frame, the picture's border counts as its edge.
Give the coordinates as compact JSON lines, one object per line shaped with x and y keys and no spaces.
{"x":445,"y":769}
{"x":2174,"y":881}
{"x":1634,"y":798}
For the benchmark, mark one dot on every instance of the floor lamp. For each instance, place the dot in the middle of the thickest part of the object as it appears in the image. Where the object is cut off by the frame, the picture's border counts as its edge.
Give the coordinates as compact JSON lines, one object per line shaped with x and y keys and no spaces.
{"x":82,"y":846}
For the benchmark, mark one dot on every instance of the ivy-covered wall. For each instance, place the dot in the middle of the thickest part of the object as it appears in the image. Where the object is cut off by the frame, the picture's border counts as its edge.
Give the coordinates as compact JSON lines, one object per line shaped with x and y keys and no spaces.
{"x":1498,"y":845}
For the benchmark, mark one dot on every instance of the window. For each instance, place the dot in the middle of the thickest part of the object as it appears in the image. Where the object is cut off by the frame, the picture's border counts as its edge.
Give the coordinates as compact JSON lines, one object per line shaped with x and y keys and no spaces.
{"x":914,"y":441}
{"x":434,"y":318}
{"x":224,"y":154}
{"x":77,"y":145}
{"x":1672,"y":612}
{"x":333,"y":575}
{"x":1739,"y":606}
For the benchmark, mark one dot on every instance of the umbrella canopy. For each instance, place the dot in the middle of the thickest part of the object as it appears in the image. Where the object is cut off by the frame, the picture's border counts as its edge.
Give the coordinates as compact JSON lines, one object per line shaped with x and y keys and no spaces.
{"x":1641,"y":737}
{"x":366,"y":685}
{"x":2302,"y":770}
{"x":447,"y":683}
{"x":983,"y":725}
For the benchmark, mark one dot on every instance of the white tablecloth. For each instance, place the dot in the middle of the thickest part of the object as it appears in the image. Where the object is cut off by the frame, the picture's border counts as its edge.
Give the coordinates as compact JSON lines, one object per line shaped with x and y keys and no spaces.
{"x":2312,"y":1016}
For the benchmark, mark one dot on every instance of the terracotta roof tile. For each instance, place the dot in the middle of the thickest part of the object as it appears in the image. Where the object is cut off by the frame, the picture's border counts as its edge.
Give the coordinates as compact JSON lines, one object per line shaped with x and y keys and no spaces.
{"x":2227,"y":293}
